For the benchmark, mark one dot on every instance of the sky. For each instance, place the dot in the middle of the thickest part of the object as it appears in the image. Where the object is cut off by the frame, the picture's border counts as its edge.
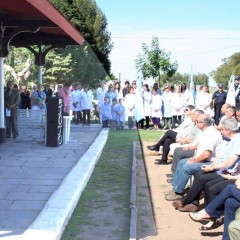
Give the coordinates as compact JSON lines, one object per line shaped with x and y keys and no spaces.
{"x":197,"y":34}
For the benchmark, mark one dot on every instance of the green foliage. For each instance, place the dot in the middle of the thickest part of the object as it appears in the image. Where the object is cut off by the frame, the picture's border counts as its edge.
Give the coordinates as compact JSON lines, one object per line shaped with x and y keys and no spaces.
{"x":230,"y":65}
{"x":200,"y":78}
{"x":58,"y":67}
{"x":17,"y":58}
{"x":86,"y":64}
{"x":155,"y":61}
{"x":178,"y":78}
{"x":92,"y":23}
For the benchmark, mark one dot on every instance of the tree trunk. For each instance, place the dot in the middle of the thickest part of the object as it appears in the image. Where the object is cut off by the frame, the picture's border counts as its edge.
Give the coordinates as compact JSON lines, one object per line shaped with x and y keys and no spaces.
{"x":20,"y":77}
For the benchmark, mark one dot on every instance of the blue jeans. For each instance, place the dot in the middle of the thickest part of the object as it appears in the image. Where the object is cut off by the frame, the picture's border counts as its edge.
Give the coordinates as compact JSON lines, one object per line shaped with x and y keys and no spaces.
{"x":227,"y":202}
{"x":183,"y":172}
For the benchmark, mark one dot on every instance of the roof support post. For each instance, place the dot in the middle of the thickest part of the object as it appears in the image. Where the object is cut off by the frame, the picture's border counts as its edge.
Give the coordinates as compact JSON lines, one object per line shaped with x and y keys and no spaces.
{"x":40,"y":57}
{"x":4,"y":45}
{"x":2,"y":110}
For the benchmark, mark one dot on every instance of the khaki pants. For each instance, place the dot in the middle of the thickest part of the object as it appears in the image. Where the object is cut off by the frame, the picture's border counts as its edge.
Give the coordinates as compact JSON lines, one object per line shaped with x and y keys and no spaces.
{"x":234,"y":227}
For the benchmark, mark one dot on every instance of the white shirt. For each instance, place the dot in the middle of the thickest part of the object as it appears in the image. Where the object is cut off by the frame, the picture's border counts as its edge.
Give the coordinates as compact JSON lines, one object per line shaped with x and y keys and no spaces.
{"x":210,"y":140}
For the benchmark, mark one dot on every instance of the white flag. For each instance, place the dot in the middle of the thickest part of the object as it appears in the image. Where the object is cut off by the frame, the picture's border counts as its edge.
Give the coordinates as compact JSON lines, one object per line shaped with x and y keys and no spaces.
{"x":231,"y":91}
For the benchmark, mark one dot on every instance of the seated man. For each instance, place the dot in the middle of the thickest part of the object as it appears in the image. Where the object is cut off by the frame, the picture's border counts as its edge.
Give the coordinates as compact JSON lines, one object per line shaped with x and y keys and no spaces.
{"x":207,"y":148}
{"x":187,"y":140}
{"x":224,"y":108}
{"x":208,"y":176}
{"x":188,"y":150}
{"x":186,"y":128}
{"x":226,"y":203}
{"x":238,"y":117}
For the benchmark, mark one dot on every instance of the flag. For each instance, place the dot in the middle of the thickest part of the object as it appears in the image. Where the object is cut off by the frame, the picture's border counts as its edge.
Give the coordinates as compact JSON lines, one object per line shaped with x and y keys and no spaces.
{"x":138,"y":110}
{"x":231,"y":91}
{"x":191,"y":89}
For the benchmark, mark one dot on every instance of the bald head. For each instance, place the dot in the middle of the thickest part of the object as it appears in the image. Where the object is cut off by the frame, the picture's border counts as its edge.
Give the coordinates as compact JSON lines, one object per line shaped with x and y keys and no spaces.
{"x":204,"y":120}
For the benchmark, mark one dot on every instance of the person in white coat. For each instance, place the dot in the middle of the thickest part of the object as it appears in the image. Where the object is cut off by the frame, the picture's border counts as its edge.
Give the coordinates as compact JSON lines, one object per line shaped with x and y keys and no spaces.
{"x":177,"y":103}
{"x":156,"y":108}
{"x":101,"y":91}
{"x":130,"y":100}
{"x":146,"y":96}
{"x":75,"y":103}
{"x":86,"y":104}
{"x":204,"y":100}
{"x":167,"y":107}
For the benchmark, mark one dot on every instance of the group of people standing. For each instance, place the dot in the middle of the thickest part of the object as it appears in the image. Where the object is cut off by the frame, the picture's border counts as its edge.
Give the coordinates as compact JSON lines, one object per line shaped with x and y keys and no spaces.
{"x":110,"y":104}
{"x":165,"y":108}
{"x":77,"y":100}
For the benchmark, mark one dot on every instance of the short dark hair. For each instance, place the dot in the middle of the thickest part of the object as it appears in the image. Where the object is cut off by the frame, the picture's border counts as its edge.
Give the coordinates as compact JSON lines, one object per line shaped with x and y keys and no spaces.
{"x":190,"y":107}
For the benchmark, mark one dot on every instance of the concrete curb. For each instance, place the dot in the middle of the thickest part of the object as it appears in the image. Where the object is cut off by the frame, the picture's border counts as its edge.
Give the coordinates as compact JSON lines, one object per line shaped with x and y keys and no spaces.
{"x":52,"y":220}
{"x":133,"y":197}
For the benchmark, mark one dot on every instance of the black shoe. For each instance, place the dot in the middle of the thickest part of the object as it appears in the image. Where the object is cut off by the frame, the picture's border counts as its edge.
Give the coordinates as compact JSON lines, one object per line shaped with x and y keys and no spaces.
{"x":169,"y":175}
{"x":153,"y":148}
{"x":161,"y":162}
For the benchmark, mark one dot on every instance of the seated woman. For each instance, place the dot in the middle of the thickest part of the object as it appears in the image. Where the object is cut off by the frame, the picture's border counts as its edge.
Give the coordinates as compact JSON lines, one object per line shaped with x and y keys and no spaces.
{"x":227,"y":202}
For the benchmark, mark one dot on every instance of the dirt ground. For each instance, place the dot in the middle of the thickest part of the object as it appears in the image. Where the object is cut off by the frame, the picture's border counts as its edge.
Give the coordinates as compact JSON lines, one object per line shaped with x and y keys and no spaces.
{"x":170,"y":223}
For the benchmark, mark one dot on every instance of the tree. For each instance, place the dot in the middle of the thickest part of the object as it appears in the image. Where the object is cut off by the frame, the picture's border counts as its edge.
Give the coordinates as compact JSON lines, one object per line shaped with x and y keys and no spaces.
{"x":58,"y":67}
{"x":201,"y":79}
{"x":178,"y":78}
{"x":230,"y":65}
{"x":155,"y":61}
{"x":19,"y":65}
{"x":92,"y":23}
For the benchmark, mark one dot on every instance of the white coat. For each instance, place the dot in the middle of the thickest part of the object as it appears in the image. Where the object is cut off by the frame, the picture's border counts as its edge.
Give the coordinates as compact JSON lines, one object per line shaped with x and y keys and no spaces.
{"x":203,"y":102}
{"x":100,"y":96}
{"x":130,"y":100}
{"x":86,"y":100}
{"x":75,"y":98}
{"x":177,"y":103}
{"x":147,"y":96}
{"x":156,"y":104}
{"x":167,"y":107}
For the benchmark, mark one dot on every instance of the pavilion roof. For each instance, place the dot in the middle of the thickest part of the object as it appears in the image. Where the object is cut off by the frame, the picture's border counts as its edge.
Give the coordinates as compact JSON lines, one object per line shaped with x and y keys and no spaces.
{"x":41,"y":17}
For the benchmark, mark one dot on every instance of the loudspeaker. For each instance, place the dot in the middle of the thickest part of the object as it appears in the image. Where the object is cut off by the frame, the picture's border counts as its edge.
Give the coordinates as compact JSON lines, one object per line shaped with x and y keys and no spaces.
{"x":54,"y":129}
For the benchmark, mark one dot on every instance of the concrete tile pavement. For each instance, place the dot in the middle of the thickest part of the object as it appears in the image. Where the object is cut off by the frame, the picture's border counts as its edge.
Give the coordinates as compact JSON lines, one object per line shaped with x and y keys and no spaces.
{"x":40,"y":185}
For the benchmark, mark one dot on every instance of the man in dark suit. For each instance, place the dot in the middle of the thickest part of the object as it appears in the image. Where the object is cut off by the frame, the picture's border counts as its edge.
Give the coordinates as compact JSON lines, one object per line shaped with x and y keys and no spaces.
{"x":219,"y":98}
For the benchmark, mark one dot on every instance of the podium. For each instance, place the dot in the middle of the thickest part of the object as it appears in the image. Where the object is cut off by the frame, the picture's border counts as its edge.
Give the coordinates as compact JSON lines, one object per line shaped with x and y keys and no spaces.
{"x":54,"y":122}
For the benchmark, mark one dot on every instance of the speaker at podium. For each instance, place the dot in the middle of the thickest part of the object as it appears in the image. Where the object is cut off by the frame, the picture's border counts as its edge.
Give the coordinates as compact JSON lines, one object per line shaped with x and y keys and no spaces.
{"x":54,"y":128}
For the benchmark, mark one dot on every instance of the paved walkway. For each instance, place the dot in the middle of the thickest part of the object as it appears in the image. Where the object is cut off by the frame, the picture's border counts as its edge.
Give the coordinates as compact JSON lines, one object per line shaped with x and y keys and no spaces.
{"x":37,"y":179}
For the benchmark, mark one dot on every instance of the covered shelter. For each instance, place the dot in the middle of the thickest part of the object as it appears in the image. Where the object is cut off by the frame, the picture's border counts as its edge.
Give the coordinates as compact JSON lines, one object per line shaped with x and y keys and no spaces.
{"x":24,"y":23}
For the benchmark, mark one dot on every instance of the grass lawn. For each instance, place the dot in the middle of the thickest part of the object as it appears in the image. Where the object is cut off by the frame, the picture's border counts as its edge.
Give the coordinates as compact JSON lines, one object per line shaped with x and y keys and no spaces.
{"x":108,"y":190}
